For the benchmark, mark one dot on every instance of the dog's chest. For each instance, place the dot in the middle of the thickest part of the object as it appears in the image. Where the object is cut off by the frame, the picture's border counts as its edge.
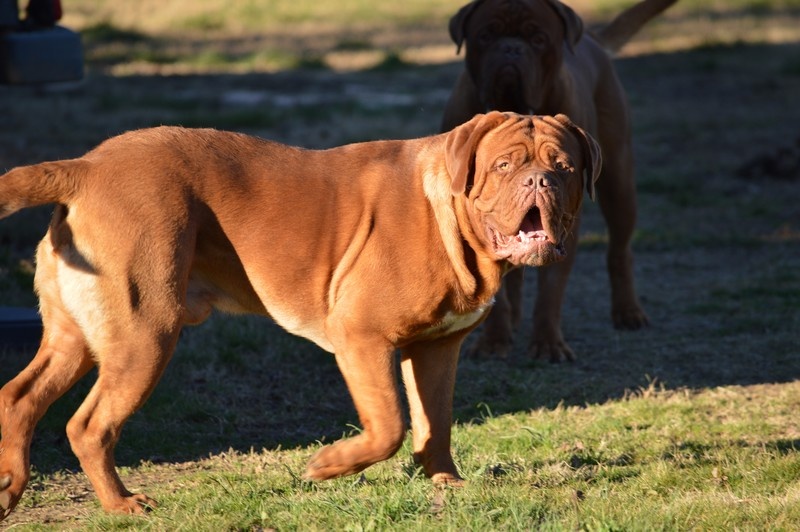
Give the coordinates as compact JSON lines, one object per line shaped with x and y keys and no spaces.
{"x":453,"y":322}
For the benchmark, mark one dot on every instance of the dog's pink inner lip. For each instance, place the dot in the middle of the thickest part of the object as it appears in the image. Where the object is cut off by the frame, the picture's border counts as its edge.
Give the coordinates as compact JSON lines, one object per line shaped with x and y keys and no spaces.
{"x":532,"y":227}
{"x":532,"y":223}
{"x":529,"y":236}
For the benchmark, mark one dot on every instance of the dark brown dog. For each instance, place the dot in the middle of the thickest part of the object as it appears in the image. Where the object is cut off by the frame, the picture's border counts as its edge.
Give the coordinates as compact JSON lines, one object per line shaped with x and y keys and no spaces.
{"x":532,"y":56}
{"x":363,"y":249}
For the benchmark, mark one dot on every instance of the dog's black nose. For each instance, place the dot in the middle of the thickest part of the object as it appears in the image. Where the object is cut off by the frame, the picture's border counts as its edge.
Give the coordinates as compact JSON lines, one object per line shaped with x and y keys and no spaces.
{"x":537,"y":180}
{"x":543,"y":180}
{"x":512,"y":50}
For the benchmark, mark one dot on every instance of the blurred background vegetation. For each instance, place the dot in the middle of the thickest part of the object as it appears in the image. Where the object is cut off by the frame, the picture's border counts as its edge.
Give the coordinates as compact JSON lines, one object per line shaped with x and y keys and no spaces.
{"x":256,"y":35}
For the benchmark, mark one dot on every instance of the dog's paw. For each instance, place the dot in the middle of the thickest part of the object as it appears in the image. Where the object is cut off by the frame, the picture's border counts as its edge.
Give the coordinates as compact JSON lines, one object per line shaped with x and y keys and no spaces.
{"x":317,"y":468}
{"x":8,"y":499}
{"x":353,"y":455}
{"x":554,"y":351}
{"x":448,"y":479}
{"x":439,"y":467}
{"x":136,"y":504}
{"x":336,"y":460}
{"x":631,"y":318}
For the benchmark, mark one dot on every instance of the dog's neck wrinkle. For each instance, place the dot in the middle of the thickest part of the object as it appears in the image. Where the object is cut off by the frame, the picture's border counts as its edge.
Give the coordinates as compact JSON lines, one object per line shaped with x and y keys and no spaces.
{"x":437,"y":188}
{"x":487,"y":272}
{"x":478,"y":278}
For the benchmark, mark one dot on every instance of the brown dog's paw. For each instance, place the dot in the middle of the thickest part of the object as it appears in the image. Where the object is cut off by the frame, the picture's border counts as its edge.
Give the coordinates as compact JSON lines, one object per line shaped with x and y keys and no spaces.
{"x":136,"y":504}
{"x":317,"y":469}
{"x":333,"y":461}
{"x":7,"y":500}
{"x":448,"y":479}
{"x":439,"y":467}
{"x":553,"y":351}
{"x":631,"y":319}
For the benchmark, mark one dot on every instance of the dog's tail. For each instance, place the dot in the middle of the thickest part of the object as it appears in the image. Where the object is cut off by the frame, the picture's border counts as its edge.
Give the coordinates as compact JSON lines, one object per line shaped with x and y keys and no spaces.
{"x":39,"y":184}
{"x":628,"y":23}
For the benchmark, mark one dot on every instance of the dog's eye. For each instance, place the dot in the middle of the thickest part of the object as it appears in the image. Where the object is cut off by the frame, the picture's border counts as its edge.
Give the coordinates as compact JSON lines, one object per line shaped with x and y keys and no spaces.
{"x":538,"y":39}
{"x":561,"y":166}
{"x":504,"y":166}
{"x":486,"y":37}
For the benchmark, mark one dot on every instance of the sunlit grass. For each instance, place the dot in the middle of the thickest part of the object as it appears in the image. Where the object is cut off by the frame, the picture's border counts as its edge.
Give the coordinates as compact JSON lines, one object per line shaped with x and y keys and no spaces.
{"x":657,"y":460}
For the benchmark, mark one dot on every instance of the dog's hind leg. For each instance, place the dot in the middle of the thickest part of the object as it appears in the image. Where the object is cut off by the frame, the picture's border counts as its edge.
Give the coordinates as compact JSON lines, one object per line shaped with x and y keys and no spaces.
{"x":618,"y":205}
{"x":95,"y":428}
{"x":616,"y":194}
{"x":63,"y":358}
{"x":128,"y":370}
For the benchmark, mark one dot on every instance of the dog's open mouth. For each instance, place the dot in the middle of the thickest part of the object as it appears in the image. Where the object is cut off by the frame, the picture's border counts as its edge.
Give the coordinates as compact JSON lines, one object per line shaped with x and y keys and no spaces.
{"x":531,"y":227}
{"x":531,"y":244}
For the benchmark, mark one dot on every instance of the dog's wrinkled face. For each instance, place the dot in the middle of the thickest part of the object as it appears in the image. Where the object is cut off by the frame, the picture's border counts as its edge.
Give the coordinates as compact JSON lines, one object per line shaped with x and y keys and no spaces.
{"x":525,"y":186}
{"x":514,"y":48}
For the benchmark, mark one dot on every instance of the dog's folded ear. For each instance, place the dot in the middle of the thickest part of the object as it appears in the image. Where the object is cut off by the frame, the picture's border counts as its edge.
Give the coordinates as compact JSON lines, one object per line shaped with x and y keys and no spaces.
{"x":461,"y":146}
{"x":573,"y":25}
{"x":592,"y":155}
{"x":459,"y":22}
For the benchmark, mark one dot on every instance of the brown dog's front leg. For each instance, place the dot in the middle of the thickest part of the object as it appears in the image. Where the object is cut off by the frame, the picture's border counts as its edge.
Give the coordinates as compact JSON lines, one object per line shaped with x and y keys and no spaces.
{"x":429,"y":373}
{"x":368,"y":370}
{"x":547,"y":340}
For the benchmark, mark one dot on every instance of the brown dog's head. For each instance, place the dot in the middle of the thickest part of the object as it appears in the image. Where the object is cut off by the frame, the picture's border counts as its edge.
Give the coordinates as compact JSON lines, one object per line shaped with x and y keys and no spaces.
{"x":514,"y":49}
{"x":521,"y":180}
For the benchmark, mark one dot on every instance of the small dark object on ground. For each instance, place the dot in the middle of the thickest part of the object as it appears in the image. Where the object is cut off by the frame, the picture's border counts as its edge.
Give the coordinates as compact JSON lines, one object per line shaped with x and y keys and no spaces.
{"x":782,"y":163}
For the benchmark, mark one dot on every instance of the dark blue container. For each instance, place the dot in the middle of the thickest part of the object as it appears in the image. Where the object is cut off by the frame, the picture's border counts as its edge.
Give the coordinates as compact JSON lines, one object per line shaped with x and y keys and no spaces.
{"x":40,"y":56}
{"x":19,"y":326}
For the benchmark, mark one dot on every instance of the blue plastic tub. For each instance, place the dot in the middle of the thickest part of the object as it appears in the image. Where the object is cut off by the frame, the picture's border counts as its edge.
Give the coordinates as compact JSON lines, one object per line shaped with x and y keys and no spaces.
{"x":40,"y":56}
{"x":19,"y":326}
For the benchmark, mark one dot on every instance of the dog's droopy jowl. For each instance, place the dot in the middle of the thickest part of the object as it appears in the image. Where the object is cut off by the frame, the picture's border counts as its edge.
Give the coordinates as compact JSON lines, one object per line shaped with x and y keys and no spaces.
{"x":364,"y":249}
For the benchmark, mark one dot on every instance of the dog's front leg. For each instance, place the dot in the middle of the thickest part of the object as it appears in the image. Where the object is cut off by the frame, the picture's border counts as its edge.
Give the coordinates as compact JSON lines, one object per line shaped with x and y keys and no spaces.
{"x":429,"y":373}
{"x":367,"y":364}
{"x":547,"y":340}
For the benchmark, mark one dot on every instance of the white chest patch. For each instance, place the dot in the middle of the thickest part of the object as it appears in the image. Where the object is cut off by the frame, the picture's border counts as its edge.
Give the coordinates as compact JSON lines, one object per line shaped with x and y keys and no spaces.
{"x":453,"y":322}
{"x":83,"y":299}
